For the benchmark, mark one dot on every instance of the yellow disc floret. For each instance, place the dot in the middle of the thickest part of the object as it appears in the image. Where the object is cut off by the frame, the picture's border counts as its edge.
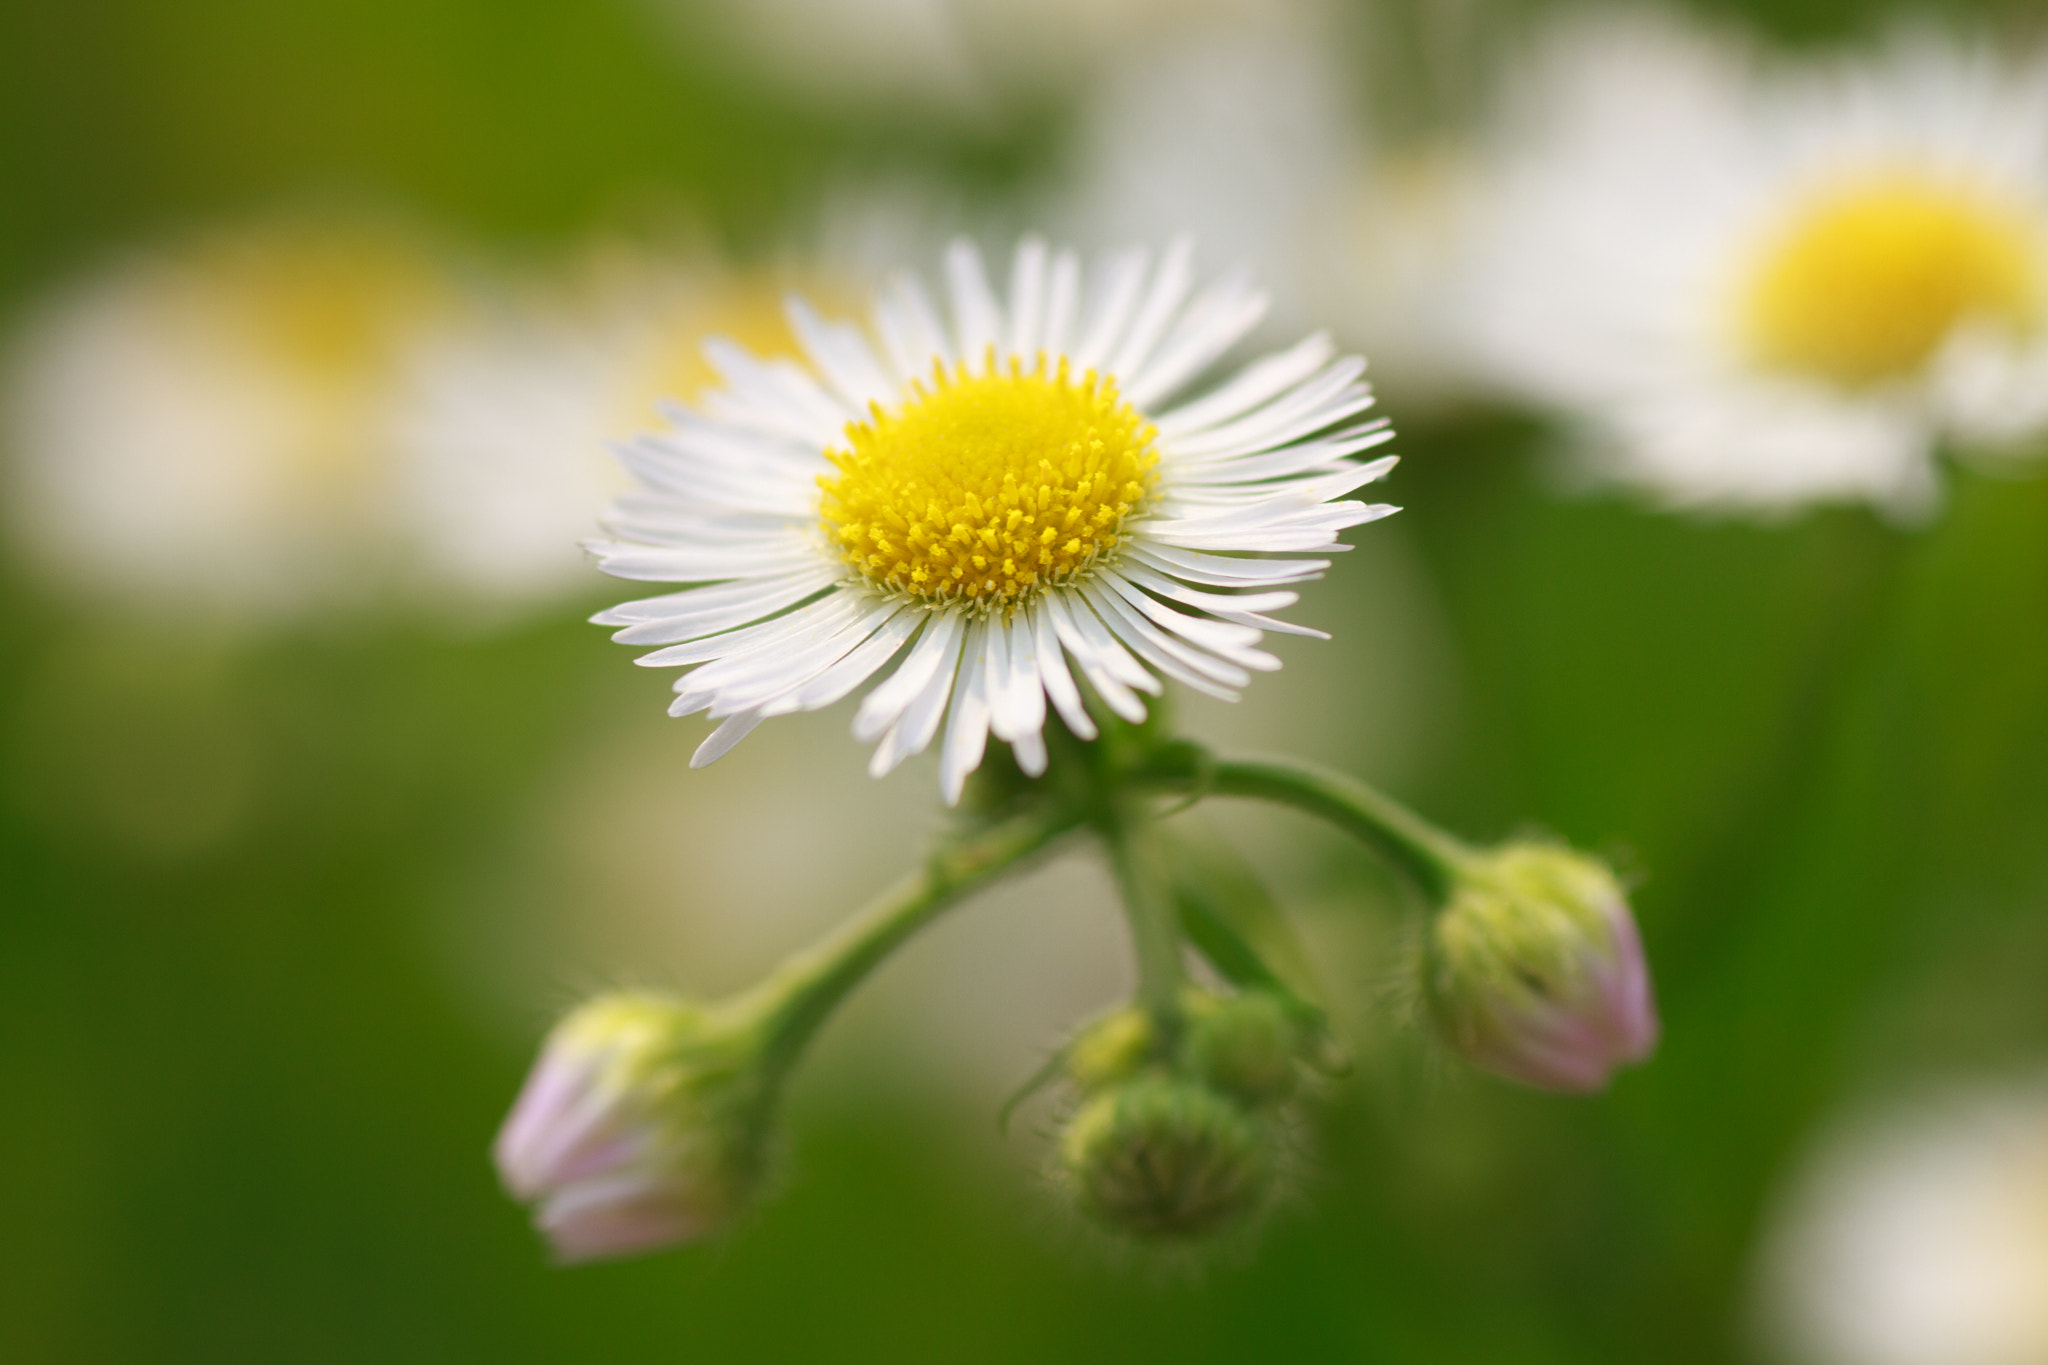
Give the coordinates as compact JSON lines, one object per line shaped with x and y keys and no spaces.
{"x":983,"y":490}
{"x":1868,"y":278}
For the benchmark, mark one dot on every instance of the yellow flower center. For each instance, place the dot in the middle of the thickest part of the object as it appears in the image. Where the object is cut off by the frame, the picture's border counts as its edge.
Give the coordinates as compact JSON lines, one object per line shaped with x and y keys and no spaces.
{"x":1869,"y":278}
{"x":984,"y":490}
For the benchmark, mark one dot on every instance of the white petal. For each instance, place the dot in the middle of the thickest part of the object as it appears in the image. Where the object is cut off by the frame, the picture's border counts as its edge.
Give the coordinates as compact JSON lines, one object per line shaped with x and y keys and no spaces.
{"x":841,"y":354}
{"x":730,"y":732}
{"x":1118,"y":282}
{"x":1259,"y":382}
{"x":763,"y":598}
{"x":1221,"y":571}
{"x":1063,"y":299}
{"x":1027,"y":298}
{"x":910,"y":327}
{"x":826,"y":612}
{"x":1169,"y":290}
{"x":886,"y":704}
{"x":1153,"y":581}
{"x":1052,"y":671}
{"x":1091,"y":645}
{"x":967,"y":727}
{"x":853,"y":670}
{"x":914,"y":729}
{"x":1218,"y":320}
{"x":977,"y":318}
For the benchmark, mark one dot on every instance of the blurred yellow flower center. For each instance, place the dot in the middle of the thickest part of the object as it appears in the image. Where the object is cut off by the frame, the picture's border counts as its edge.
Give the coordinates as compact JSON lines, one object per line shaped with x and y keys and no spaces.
{"x":1868,"y":279}
{"x":984,"y":490}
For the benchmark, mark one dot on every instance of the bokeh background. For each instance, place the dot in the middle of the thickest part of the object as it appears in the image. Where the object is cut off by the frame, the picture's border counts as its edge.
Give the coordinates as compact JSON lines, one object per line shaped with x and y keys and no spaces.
{"x":291,"y":882}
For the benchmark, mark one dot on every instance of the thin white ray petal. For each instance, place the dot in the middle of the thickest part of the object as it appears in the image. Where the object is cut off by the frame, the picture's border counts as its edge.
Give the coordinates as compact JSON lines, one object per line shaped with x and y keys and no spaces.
{"x":1258,"y":622}
{"x":1334,"y":387}
{"x":1234,"y":644}
{"x":689,"y":599}
{"x":1016,"y":696}
{"x":769,"y":597}
{"x":967,"y":726}
{"x":1072,"y":613}
{"x":1029,"y":751}
{"x":1052,"y":670}
{"x":786,"y":553}
{"x":851,"y":671}
{"x":885,"y":705}
{"x":924,"y":334}
{"x":841,"y":354}
{"x":828,"y":611}
{"x":730,"y":732}
{"x":1062,"y":302}
{"x":1214,"y":678}
{"x":1259,"y":382}
{"x":977,"y":317}
{"x":1080,"y":641}
{"x":1223,"y":571}
{"x":1116,"y":291}
{"x":1027,"y":298}
{"x":1218,"y":320}
{"x":1170,"y":286}
{"x":1153,"y":581}
{"x":914,"y":729}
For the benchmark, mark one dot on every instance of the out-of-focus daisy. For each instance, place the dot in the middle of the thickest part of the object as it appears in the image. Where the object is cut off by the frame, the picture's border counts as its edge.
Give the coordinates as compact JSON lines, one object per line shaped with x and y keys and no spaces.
{"x":208,"y":423}
{"x":1919,"y":1240}
{"x":1252,"y":136}
{"x":987,"y":500}
{"x":1768,"y":287}
{"x":503,"y":420}
{"x":968,"y":57}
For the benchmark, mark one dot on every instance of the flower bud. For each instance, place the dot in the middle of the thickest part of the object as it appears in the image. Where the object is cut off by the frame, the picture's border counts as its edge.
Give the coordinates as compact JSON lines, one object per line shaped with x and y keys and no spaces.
{"x":1534,"y":969}
{"x":1111,"y":1049}
{"x":1244,"y":1044}
{"x":1165,"y":1159}
{"x":635,"y":1128}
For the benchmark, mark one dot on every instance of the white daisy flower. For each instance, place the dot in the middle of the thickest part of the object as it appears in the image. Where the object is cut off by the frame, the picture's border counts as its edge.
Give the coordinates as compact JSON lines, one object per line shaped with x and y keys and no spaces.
{"x":1768,"y":287}
{"x":1001,"y":506}
{"x":1920,"y":1238}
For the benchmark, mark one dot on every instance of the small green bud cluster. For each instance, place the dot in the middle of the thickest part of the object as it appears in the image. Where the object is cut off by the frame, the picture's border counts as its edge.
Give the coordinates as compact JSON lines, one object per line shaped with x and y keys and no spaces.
{"x":1177,"y":1131}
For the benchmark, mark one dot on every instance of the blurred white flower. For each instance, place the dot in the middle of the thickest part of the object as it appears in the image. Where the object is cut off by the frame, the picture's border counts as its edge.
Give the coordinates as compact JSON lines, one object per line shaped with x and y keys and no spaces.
{"x":1921,"y":1239}
{"x":505,"y":421}
{"x":207,"y":424}
{"x":1253,"y":137}
{"x":966,"y":57}
{"x":1763,"y":287}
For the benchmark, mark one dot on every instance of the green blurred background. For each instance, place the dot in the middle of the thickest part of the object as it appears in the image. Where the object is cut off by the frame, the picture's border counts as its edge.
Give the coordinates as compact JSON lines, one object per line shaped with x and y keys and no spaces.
{"x":251,"y":1066}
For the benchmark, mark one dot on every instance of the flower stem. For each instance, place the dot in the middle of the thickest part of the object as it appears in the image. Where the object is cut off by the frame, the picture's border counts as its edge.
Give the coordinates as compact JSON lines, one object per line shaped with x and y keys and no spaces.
{"x":1142,"y":878}
{"x":1419,"y":849}
{"x":797,"y":997}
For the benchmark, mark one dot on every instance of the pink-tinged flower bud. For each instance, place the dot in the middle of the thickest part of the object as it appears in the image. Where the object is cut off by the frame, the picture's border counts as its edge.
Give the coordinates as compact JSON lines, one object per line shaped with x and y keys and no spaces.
{"x":1534,"y":970}
{"x":635,"y":1130}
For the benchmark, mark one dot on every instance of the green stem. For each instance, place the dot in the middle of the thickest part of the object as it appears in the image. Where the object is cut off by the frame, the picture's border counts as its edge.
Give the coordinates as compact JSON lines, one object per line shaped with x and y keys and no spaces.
{"x":1419,"y":849}
{"x":1141,"y":877}
{"x":797,"y":998}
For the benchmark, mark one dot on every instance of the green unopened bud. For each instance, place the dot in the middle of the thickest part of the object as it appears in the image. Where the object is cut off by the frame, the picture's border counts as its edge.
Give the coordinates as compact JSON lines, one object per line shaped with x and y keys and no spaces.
{"x":1111,"y":1049}
{"x":1165,"y":1159}
{"x":1534,"y":969}
{"x":637,"y":1128}
{"x":1245,"y":1045}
